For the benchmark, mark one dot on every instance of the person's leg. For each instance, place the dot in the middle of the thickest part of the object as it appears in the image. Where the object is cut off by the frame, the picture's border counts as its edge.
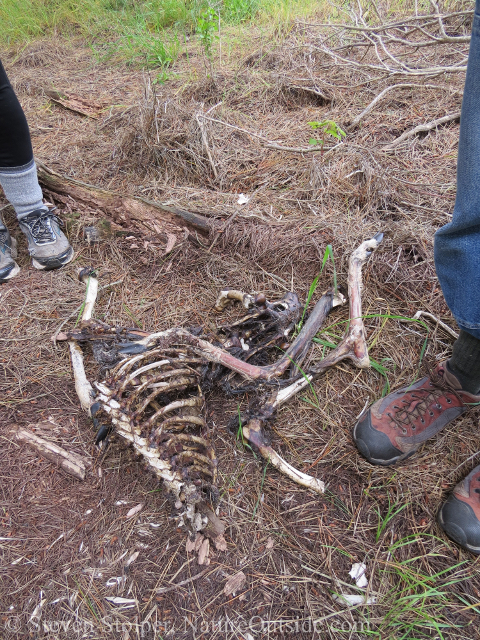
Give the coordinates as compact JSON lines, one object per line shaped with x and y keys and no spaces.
{"x":393,"y":428}
{"x":457,"y":244}
{"x":47,"y":245}
{"x":18,"y":174}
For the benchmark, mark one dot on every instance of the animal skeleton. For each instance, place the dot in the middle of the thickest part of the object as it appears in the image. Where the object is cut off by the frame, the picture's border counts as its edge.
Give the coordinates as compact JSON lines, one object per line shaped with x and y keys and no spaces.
{"x":152,"y":395}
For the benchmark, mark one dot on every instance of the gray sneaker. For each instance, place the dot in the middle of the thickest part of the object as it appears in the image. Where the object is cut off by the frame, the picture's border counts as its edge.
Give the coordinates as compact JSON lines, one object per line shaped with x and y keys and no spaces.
{"x":47,"y":244}
{"x":8,"y":251}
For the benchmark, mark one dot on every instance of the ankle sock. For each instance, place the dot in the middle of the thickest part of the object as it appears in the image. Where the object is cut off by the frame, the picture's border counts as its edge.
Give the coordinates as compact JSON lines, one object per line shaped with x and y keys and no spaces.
{"x":22,"y":189}
{"x":465,"y":362}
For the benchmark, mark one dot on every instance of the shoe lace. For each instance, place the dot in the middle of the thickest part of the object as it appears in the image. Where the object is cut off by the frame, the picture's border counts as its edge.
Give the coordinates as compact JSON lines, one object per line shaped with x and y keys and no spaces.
{"x":3,"y":240}
{"x":41,"y":226}
{"x":404,"y":416}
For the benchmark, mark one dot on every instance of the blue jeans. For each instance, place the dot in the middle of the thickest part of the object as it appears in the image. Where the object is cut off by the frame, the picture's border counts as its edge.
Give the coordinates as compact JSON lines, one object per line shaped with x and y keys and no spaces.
{"x":457,"y":244}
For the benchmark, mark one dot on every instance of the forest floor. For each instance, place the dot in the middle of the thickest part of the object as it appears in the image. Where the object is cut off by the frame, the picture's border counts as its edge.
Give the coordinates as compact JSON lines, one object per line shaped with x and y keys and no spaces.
{"x":65,"y":544}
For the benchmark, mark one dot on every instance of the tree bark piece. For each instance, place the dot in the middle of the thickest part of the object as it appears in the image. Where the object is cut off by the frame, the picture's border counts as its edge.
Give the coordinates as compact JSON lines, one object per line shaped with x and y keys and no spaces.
{"x":123,"y":210}
{"x":68,"y":461}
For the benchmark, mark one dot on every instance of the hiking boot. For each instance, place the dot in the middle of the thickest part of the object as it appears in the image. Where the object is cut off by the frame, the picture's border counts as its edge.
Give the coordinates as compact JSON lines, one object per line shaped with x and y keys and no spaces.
{"x":47,"y":244}
{"x":394,"y":427}
{"x":459,"y":515}
{"x":8,"y":251}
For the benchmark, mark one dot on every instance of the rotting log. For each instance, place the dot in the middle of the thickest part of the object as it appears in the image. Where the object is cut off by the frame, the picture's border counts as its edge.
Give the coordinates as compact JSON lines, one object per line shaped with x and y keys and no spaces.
{"x":121,"y":209}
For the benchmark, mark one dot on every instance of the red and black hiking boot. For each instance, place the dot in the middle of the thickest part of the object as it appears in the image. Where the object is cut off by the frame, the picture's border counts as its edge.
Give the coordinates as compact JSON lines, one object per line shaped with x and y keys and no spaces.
{"x":459,"y":516}
{"x":394,"y":427}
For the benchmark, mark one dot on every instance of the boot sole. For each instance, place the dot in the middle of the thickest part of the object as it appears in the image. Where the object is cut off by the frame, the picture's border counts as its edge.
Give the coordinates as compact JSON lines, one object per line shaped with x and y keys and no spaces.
{"x":55,"y":262}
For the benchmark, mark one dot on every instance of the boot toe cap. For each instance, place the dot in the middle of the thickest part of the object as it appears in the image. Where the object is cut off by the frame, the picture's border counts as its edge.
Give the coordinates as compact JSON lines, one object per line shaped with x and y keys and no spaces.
{"x":374,"y":445}
{"x":458,"y":520}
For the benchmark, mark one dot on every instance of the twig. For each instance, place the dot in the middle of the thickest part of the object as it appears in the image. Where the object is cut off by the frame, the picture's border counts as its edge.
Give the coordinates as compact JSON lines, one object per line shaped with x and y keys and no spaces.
{"x":314,"y":91}
{"x":421,"y":128}
{"x":389,"y":25}
{"x":201,"y":126}
{"x":183,"y":582}
{"x":444,"y":326}
{"x":269,"y":144}
{"x":220,"y":231}
{"x":376,"y":100}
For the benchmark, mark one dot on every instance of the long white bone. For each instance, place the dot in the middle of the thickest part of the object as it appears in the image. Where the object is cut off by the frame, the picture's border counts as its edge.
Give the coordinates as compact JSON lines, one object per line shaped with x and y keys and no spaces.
{"x":83,"y":387}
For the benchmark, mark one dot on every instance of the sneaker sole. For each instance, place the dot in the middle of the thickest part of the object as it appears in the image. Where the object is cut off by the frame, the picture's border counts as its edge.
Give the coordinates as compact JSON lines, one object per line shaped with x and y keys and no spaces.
{"x":11,"y":274}
{"x":16,"y":269}
{"x":55,"y":262}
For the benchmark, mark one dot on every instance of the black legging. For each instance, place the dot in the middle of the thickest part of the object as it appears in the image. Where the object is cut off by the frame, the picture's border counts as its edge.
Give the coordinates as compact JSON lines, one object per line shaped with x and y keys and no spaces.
{"x":15,"y":144}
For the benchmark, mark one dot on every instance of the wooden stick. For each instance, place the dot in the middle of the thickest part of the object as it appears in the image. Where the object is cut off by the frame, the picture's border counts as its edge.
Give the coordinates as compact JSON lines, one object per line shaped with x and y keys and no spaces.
{"x":420,"y":129}
{"x":356,"y":121}
{"x":68,"y":461}
{"x":183,"y":582}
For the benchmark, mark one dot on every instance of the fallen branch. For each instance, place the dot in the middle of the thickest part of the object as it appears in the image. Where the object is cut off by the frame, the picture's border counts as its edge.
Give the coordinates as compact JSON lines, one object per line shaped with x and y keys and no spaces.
{"x":395,"y":44}
{"x":390,"y":25}
{"x":377,"y":99}
{"x":120,"y":208}
{"x":421,"y":128}
{"x":70,"y":462}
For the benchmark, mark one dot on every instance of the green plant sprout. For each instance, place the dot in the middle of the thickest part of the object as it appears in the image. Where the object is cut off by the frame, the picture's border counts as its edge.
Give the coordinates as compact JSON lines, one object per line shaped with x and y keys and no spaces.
{"x":207,"y":26}
{"x":327,"y":128}
{"x":328,"y":254}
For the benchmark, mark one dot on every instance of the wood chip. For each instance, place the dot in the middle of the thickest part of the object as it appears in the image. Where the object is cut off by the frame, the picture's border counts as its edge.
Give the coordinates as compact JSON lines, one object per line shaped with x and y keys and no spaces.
{"x":234,"y":583}
{"x":190,"y":545}
{"x":134,"y":510}
{"x":220,"y":543}
{"x":171,"y":241}
{"x":198,"y":541}
{"x":203,"y":552}
{"x":76,"y":103}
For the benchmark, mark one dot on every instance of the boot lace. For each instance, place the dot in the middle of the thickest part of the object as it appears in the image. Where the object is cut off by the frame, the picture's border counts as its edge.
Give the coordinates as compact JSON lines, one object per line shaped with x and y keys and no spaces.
{"x":40,"y":226}
{"x":404,"y":417}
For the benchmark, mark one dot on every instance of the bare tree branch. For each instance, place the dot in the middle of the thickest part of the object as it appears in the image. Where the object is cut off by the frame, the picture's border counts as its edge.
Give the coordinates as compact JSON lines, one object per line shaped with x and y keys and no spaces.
{"x":377,"y":99}
{"x":421,"y":128}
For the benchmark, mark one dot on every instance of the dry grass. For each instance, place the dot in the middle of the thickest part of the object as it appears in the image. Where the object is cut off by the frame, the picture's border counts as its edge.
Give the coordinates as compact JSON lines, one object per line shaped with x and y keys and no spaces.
{"x":293,"y":547}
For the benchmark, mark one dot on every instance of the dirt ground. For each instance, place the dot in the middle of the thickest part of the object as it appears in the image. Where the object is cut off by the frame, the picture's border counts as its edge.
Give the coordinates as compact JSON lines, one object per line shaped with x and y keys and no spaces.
{"x":65,"y":544}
